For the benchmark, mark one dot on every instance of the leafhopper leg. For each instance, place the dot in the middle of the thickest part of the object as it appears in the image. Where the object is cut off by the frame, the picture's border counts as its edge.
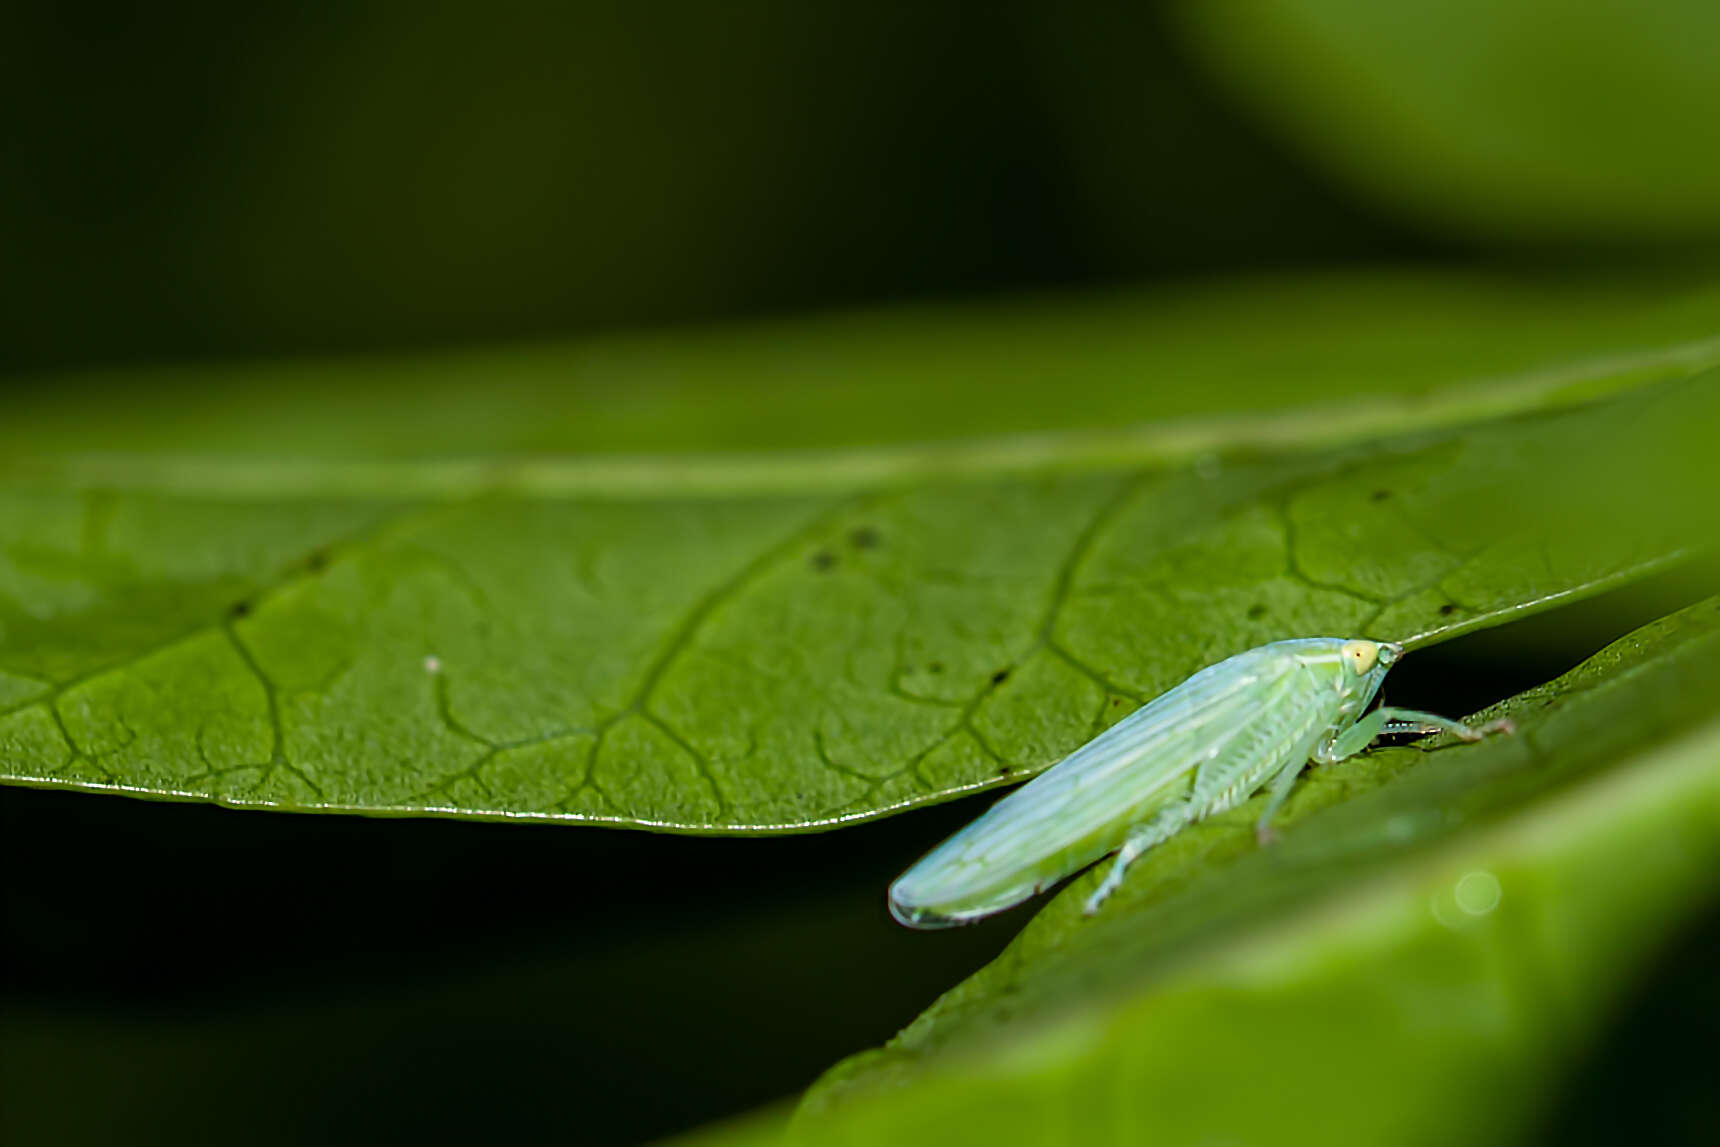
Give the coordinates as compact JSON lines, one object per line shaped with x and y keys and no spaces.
{"x":1264,"y":833}
{"x":1161,"y":828}
{"x":1415,"y":721}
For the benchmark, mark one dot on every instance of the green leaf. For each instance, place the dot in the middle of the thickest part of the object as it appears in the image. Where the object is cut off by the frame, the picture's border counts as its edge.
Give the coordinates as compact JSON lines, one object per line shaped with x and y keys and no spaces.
{"x":1375,"y":352}
{"x":1437,"y":935}
{"x":793,"y":641}
{"x":1534,"y":119}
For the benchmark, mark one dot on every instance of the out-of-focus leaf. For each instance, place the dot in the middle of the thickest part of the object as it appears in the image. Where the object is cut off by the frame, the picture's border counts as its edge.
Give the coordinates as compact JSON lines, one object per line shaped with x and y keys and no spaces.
{"x":1436,"y":936}
{"x":1377,"y":352}
{"x":791,"y":641}
{"x":1532,"y":119}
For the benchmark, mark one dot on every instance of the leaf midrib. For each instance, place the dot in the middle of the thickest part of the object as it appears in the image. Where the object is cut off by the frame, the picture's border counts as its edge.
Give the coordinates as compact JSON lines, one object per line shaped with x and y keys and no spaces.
{"x":1162,"y":443}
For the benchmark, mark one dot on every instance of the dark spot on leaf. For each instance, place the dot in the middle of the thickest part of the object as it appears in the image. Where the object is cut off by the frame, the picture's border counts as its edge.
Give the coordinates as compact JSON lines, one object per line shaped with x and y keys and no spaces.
{"x":866,"y":538}
{"x":239,"y":609}
{"x":1115,"y":701}
{"x":1256,"y":612}
{"x":823,"y":560}
{"x":1447,"y":609}
{"x":1000,"y":677}
{"x":317,"y":562}
{"x":1004,"y":771}
{"x":1381,"y":495}
{"x":935,"y":667}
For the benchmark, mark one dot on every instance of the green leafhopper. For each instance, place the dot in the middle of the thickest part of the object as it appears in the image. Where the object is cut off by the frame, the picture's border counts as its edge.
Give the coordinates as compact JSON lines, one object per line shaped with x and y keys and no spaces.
{"x":1205,"y":746}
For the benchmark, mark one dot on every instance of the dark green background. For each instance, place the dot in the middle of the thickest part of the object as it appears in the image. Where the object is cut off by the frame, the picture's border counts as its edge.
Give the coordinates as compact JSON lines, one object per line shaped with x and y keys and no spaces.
{"x":203,"y":180}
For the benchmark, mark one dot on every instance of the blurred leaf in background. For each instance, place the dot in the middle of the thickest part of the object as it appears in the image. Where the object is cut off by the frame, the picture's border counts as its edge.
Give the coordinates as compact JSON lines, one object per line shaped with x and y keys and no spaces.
{"x":1525,"y":121}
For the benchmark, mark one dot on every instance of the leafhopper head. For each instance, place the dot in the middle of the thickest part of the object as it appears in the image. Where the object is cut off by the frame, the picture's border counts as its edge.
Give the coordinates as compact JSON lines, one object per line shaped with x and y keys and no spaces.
{"x":1362,"y":656}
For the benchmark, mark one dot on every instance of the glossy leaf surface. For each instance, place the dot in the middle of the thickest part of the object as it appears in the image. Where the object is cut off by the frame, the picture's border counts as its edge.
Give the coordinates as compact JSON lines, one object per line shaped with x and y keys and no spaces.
{"x":791,"y":641}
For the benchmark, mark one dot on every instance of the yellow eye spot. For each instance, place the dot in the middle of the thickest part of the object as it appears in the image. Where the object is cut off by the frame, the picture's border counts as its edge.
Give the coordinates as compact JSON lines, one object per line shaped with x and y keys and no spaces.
{"x":1362,"y":655}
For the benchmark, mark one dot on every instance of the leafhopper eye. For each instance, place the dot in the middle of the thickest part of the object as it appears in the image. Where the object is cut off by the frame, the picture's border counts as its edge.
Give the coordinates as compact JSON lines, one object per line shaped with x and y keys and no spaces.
{"x":1362,"y":656}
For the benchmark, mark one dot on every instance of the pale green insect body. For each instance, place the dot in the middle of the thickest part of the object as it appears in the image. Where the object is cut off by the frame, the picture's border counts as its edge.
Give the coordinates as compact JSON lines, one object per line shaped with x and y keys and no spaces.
{"x":1205,"y":746}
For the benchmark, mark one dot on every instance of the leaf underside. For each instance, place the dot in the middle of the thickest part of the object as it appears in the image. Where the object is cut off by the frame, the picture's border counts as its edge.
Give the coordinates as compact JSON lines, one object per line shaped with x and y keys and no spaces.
{"x":784,"y":642}
{"x":755,"y":660}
